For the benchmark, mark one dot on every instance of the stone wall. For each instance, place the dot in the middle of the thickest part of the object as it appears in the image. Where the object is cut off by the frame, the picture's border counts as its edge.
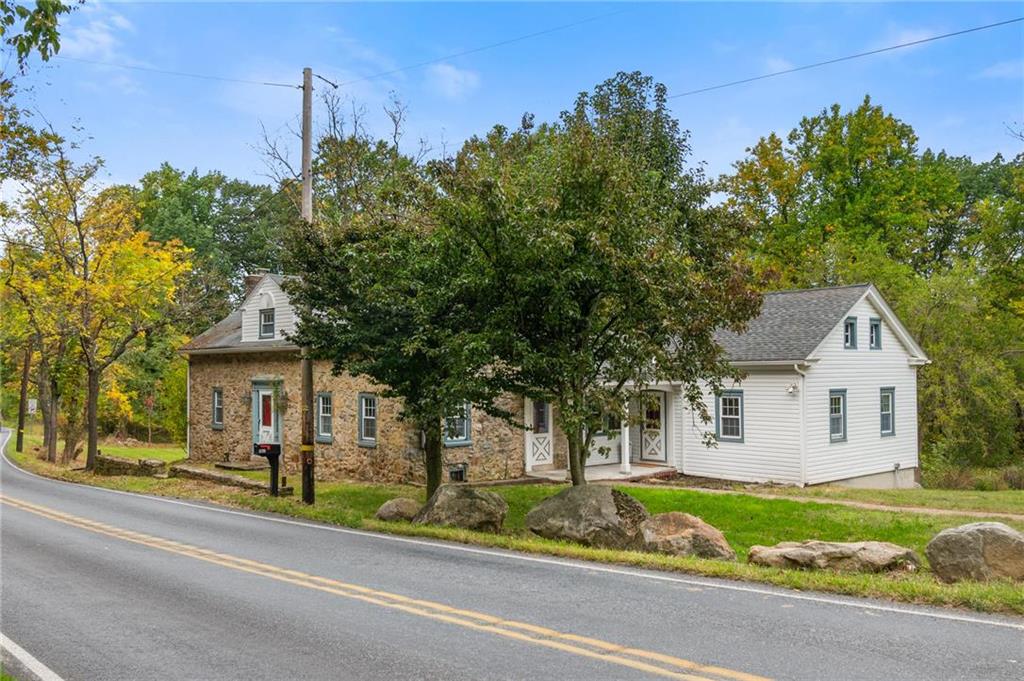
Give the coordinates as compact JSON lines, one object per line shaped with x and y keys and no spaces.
{"x":496,"y":451}
{"x":116,"y":465}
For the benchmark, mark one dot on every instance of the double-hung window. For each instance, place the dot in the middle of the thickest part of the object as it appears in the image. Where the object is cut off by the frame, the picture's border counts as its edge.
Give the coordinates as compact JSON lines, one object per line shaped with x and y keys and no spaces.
{"x":876,"y":334}
{"x":887,"y":411}
{"x":850,"y":333}
{"x":456,"y":428}
{"x":367,"y":420}
{"x":729,"y":415}
{"x":267,"y":323}
{"x":837,"y":415}
{"x":217,"y":421}
{"x":324,"y":412}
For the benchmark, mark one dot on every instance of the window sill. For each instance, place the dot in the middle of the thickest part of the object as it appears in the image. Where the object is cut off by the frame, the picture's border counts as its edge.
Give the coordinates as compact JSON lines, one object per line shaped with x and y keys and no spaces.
{"x":887,"y":434}
{"x":458,"y":443}
{"x":368,"y":444}
{"x":217,"y":426}
{"x":834,"y":440}
{"x":324,"y":439}
{"x":738,"y":440}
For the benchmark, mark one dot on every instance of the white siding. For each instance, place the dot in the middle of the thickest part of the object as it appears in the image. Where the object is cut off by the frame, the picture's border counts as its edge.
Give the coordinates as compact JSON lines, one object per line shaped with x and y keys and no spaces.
{"x":267,"y":294}
{"x":770,"y":450}
{"x":862,"y":372}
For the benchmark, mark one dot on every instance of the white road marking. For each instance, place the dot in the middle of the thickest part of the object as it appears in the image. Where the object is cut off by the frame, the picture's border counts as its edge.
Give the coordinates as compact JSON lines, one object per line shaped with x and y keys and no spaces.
{"x":593,"y":567}
{"x":42,"y":672}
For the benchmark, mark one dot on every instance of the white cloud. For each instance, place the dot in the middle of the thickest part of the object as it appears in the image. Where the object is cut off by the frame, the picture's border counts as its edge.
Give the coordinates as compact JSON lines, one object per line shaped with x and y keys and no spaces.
{"x":773,"y":64}
{"x":902,"y":35}
{"x":452,"y":82}
{"x":1010,"y":69}
{"x":97,"y":38}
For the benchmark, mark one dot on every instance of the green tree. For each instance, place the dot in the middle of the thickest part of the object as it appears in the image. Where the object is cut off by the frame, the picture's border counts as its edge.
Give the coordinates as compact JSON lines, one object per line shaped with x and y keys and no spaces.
{"x":838,"y":181}
{"x":374,"y":293}
{"x":233,"y":227}
{"x":593,"y":260}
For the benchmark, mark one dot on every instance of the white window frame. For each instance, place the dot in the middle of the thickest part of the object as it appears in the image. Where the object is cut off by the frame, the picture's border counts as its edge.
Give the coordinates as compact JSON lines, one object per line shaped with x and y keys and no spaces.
{"x":462,"y":436}
{"x":217,"y":405}
{"x":840,"y":394}
{"x":875,"y":333}
{"x":367,"y":400}
{"x":883,"y":393}
{"x":850,"y":333}
{"x":324,"y":435}
{"x":273,"y":322}
{"x":721,"y":416}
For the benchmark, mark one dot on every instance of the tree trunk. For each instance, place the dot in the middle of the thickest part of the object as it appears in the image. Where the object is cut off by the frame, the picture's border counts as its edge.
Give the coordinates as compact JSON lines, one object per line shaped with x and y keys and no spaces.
{"x":92,"y":400}
{"x":434,"y":455}
{"x":19,"y":443}
{"x":52,"y":418}
{"x":576,"y":457}
{"x":45,"y":401}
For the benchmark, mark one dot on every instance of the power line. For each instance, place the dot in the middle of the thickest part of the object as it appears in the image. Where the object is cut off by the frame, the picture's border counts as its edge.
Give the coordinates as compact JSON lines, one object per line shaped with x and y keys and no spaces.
{"x":183,"y":74}
{"x":847,"y":58}
{"x":483,"y":48}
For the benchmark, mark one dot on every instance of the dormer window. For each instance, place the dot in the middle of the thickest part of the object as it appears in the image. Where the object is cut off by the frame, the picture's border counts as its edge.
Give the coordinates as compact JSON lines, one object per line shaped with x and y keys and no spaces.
{"x":267,"y":323}
{"x":850,"y":333}
{"x":876,"y":334}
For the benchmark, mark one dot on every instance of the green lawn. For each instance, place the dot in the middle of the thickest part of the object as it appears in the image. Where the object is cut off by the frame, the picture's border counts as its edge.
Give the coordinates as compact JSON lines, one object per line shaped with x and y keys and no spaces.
{"x":745,"y":520}
{"x":1004,"y":501}
{"x":164,"y":452}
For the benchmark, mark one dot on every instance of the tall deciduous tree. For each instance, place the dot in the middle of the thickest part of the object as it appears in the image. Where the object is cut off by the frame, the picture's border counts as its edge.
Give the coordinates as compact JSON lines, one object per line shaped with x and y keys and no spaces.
{"x":374,"y":284}
{"x":105,"y":279}
{"x":593,"y":258}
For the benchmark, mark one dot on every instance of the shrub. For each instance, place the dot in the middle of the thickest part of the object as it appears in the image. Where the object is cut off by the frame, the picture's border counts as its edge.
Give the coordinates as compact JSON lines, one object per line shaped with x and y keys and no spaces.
{"x":1013,"y":476}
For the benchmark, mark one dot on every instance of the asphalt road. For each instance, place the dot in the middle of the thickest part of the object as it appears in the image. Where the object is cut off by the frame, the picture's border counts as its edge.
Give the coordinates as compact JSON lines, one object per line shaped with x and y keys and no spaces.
{"x":105,"y":585}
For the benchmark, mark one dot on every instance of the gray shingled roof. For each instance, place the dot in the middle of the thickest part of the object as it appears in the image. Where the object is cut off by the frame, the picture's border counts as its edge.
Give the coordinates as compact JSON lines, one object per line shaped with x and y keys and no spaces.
{"x":226,"y":336}
{"x":791,"y":324}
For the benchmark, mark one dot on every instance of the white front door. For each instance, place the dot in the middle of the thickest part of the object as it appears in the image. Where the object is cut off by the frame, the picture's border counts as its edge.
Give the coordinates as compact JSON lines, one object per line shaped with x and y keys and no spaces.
{"x":652,"y":430}
{"x":266,"y":431}
{"x":540,"y":450}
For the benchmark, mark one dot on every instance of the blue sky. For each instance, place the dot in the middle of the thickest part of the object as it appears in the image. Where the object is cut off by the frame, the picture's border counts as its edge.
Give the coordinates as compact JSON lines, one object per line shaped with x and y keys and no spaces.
{"x":958,"y":94}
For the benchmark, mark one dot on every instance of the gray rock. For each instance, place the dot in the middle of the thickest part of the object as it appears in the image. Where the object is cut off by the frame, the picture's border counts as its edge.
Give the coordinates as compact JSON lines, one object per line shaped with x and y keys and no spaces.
{"x":464,"y":507}
{"x":864,"y":556}
{"x":978,"y":551}
{"x":592,"y":515}
{"x":682,"y":534}
{"x":401,"y":508}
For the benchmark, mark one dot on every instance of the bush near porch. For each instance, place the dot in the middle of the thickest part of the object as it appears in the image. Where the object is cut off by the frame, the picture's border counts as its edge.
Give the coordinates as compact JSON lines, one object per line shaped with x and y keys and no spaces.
{"x":745,"y":520}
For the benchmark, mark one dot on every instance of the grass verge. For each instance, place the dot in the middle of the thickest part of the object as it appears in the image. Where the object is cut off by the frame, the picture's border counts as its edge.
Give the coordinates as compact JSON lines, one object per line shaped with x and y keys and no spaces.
{"x":1001,"y":501}
{"x":745,"y":520}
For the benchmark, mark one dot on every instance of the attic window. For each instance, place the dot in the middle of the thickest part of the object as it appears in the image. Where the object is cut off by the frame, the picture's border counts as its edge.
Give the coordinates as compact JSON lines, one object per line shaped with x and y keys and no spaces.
{"x":876,"y":334}
{"x":850,"y":333}
{"x":267,"y":323}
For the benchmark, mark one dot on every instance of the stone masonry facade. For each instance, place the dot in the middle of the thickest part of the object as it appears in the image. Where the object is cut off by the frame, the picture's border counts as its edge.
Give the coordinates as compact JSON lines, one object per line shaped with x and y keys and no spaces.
{"x":495,"y":452}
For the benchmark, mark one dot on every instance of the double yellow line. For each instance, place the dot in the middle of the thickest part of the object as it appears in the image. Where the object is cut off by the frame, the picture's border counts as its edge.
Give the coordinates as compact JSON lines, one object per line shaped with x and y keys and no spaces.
{"x":634,"y":658}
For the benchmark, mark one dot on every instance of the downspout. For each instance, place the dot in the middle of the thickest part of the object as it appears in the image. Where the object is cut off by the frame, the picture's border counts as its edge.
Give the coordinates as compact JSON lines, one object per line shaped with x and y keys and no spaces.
{"x":803,"y":431}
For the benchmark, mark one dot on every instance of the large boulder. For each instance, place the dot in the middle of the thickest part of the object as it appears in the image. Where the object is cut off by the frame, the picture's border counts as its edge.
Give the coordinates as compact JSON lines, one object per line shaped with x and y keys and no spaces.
{"x":682,"y":534}
{"x":592,"y":515}
{"x":978,"y":551}
{"x":863,"y":556}
{"x":401,"y":508}
{"x":465,"y":507}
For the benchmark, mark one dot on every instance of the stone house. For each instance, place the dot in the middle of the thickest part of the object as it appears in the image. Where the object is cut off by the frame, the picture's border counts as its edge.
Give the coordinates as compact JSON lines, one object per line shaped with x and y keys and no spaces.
{"x":829,"y":396}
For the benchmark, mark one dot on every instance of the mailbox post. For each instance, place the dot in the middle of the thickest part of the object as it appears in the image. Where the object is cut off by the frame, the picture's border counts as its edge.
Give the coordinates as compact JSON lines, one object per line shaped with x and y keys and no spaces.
{"x":272,"y":453}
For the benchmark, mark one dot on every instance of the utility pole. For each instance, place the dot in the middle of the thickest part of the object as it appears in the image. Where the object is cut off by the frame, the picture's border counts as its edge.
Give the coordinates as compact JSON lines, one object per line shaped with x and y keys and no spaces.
{"x":306,"y":451}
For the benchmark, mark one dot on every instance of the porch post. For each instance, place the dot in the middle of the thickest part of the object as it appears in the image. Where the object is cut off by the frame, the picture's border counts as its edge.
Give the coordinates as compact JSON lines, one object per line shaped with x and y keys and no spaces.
{"x":624,"y":466}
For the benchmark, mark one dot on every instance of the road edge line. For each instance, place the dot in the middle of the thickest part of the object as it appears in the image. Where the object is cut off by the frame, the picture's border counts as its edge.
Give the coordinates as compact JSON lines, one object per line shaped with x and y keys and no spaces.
{"x":25,"y":660}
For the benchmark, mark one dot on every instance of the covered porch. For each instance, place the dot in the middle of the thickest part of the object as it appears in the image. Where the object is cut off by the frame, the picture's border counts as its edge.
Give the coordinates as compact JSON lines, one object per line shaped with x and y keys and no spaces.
{"x":640,"y":446}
